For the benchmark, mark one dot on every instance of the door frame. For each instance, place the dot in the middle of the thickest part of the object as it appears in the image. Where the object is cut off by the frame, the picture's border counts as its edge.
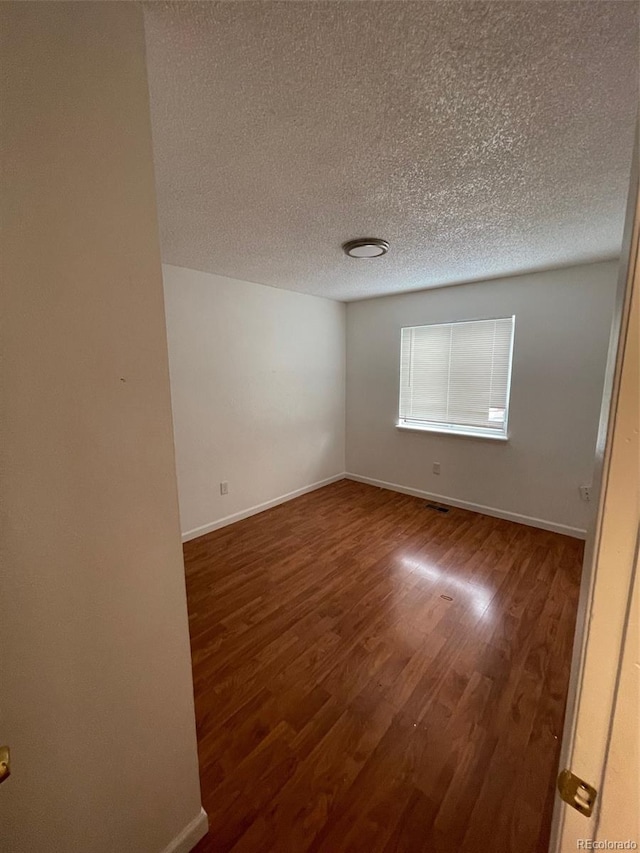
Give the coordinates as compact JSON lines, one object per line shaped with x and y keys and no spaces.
{"x":588,"y":633}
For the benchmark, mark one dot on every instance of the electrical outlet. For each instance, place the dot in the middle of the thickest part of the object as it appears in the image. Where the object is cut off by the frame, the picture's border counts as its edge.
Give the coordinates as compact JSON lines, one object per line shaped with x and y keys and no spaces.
{"x":585,"y":493}
{"x":224,"y":488}
{"x":436,"y":467}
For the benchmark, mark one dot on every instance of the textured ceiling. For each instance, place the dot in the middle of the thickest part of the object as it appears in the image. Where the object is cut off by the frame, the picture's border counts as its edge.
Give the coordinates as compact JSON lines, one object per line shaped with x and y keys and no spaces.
{"x":479,"y":139}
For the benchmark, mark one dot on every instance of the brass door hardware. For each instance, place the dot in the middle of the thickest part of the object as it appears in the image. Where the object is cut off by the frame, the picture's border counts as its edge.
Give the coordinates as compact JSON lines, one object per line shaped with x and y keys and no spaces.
{"x":577,"y":793}
{"x":5,"y":763}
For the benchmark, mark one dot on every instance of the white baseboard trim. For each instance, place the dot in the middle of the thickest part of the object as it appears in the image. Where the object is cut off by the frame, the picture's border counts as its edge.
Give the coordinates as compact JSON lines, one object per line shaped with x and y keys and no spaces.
{"x":190,"y":835}
{"x":254,"y":510}
{"x":542,"y":523}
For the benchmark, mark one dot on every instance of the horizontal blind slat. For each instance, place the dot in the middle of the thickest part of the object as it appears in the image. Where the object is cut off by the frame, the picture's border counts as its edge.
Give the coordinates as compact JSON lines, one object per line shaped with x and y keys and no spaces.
{"x":456,"y":373}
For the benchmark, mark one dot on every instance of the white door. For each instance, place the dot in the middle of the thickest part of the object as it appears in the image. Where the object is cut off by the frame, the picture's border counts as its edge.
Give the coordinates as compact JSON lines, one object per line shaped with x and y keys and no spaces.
{"x":598,"y":695}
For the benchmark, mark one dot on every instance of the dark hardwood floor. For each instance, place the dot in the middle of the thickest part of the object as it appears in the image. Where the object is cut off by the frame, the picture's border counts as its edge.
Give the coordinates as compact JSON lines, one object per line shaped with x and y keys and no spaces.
{"x":373,"y":675}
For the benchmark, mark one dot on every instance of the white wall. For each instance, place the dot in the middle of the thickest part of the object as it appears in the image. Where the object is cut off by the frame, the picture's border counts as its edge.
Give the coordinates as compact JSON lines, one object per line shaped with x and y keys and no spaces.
{"x":563,"y":318}
{"x":257,"y":386}
{"x":96,"y":691}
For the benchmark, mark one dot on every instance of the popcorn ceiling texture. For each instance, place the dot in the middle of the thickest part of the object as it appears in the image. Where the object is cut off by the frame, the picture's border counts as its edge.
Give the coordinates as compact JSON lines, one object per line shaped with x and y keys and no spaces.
{"x":480,"y":139}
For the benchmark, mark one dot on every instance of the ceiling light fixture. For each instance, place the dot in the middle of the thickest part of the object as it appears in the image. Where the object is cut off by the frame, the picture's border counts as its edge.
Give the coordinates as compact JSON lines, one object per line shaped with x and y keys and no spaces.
{"x":366,"y":247}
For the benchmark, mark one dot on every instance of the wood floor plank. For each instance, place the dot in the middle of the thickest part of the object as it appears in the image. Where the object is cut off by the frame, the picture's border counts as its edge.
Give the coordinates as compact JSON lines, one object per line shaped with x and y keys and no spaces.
{"x":371,"y":675}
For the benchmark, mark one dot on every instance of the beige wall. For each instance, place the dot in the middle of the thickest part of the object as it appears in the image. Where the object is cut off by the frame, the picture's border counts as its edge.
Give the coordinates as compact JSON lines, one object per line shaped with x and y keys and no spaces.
{"x":563,"y":318}
{"x":257,"y":384}
{"x":620,"y":809}
{"x":95,"y":691}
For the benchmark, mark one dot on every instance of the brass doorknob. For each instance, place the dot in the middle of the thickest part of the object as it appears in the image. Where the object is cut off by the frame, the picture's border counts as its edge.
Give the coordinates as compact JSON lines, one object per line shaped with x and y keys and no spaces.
{"x":5,"y":763}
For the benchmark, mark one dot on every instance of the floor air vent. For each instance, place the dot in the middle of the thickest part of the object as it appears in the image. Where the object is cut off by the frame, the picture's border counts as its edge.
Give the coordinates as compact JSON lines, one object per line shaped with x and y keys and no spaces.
{"x":437,"y":507}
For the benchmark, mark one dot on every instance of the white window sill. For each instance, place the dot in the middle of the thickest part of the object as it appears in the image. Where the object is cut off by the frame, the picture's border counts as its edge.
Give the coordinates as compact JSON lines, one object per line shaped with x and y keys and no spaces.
{"x":458,"y":432}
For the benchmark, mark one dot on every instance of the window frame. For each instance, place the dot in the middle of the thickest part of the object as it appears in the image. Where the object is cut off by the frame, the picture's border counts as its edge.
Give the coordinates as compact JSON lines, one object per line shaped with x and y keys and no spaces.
{"x":465,"y":431}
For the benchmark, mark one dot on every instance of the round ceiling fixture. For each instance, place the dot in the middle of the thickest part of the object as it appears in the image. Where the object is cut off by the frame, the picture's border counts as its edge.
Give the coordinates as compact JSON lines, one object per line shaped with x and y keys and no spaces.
{"x":366,"y":247}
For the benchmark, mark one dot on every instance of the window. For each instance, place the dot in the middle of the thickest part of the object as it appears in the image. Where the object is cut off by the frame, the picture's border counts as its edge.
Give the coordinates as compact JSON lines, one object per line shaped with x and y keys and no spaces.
{"x":454,"y":377}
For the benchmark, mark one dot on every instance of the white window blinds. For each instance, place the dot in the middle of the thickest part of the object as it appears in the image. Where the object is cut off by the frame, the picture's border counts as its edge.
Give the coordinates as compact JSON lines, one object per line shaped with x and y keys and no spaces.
{"x":455,"y":376}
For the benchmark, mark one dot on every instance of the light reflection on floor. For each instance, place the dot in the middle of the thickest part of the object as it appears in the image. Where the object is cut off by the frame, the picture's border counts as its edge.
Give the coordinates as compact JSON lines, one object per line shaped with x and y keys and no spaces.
{"x":478,"y":595}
